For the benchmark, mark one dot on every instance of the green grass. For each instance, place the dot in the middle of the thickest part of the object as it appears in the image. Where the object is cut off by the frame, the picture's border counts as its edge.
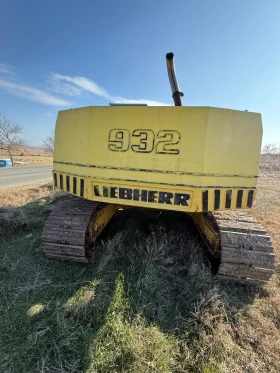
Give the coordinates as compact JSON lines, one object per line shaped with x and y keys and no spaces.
{"x":147,"y":303}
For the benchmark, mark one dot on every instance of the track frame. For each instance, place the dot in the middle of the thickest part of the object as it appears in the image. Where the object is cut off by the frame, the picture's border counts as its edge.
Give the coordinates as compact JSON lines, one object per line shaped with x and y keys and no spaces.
{"x":240,"y":244}
{"x":72,"y":228}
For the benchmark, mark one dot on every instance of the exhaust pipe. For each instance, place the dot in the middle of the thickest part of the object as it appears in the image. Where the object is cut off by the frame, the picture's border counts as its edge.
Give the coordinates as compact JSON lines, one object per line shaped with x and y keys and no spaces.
{"x":176,"y":94}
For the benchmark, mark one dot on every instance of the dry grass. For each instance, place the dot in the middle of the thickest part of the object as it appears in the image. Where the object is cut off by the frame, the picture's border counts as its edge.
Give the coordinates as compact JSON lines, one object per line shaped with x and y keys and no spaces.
{"x":35,"y":160}
{"x":147,"y":303}
{"x":32,"y":155}
{"x":270,"y":162}
{"x":18,"y":210}
{"x":24,"y":150}
{"x":24,"y":194}
{"x":267,"y":206}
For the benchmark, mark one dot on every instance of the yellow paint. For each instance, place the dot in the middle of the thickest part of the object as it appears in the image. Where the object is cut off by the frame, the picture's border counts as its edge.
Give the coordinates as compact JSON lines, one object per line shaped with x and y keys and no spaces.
{"x":101,"y":219}
{"x":208,"y":233}
{"x":216,"y":149}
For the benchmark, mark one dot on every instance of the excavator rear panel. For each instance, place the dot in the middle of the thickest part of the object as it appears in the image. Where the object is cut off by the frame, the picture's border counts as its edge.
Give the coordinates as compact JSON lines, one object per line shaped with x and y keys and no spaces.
{"x":191,"y":159}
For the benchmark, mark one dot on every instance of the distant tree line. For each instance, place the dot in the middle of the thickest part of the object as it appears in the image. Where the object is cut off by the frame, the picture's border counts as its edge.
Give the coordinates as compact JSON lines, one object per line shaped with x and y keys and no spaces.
{"x":48,"y":143}
{"x":11,"y":140}
{"x":271,"y":148}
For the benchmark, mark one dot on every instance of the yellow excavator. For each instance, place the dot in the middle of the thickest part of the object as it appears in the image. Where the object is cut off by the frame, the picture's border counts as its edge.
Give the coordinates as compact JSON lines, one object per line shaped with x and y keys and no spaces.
{"x":202,"y":161}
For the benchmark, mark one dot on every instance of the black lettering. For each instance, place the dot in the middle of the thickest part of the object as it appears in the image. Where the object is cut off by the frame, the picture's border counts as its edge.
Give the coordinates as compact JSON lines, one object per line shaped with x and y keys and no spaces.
{"x":61,"y":181}
{"x":74,"y":185}
{"x":82,"y":187}
{"x":136,"y":194}
{"x":125,"y":193}
{"x":217,"y":194}
{"x":96,"y":190}
{"x":113,"y":191}
{"x":105,"y":192}
{"x":205,"y":200}
{"x":181,"y":199}
{"x":152,"y":195}
{"x":228,"y":199}
{"x":239,"y":199}
{"x":68,"y":183}
{"x":165,"y":197}
{"x":250,"y":198}
{"x":144,"y":194}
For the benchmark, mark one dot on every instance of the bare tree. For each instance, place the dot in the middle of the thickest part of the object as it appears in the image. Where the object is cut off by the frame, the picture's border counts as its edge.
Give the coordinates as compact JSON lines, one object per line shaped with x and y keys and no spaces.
{"x":9,"y":136}
{"x":48,"y":143}
{"x":271,"y":148}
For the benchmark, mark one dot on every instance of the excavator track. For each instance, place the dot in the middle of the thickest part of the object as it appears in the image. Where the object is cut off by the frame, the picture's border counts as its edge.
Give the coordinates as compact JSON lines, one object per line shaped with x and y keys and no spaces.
{"x":246,"y":252}
{"x":68,"y":233}
{"x":243,"y":246}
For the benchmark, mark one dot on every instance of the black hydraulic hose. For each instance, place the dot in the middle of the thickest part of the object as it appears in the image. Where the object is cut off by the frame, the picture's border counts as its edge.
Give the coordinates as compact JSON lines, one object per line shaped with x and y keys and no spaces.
{"x":176,"y":94}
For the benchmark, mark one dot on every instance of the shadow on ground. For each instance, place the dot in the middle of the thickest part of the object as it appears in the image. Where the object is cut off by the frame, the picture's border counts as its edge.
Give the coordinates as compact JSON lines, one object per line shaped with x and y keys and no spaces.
{"x":145,"y":304}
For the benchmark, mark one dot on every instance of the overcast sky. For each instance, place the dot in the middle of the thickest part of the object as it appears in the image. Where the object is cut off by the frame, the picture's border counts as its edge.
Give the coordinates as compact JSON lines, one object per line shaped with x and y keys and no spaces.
{"x":61,"y":54}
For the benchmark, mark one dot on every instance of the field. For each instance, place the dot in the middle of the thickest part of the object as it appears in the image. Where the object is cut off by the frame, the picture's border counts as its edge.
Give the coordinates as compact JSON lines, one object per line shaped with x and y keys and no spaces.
{"x":32,"y":156}
{"x":147,"y":302}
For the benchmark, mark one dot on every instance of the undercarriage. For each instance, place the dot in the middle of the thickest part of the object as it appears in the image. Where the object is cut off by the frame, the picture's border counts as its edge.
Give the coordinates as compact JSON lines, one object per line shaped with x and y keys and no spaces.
{"x":236,"y":242}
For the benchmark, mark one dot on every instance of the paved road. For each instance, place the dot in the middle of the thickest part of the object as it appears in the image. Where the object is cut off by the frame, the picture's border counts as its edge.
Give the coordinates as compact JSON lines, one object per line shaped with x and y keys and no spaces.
{"x":12,"y":176}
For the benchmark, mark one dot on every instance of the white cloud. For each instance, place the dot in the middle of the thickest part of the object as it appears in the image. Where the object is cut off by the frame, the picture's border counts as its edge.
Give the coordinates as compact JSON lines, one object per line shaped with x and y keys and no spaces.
{"x":82,"y":84}
{"x":32,"y":94}
{"x":61,"y":84}
{"x":64,"y":88}
{"x":67,"y":85}
{"x":121,"y":100}
{"x":6,"y":69}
